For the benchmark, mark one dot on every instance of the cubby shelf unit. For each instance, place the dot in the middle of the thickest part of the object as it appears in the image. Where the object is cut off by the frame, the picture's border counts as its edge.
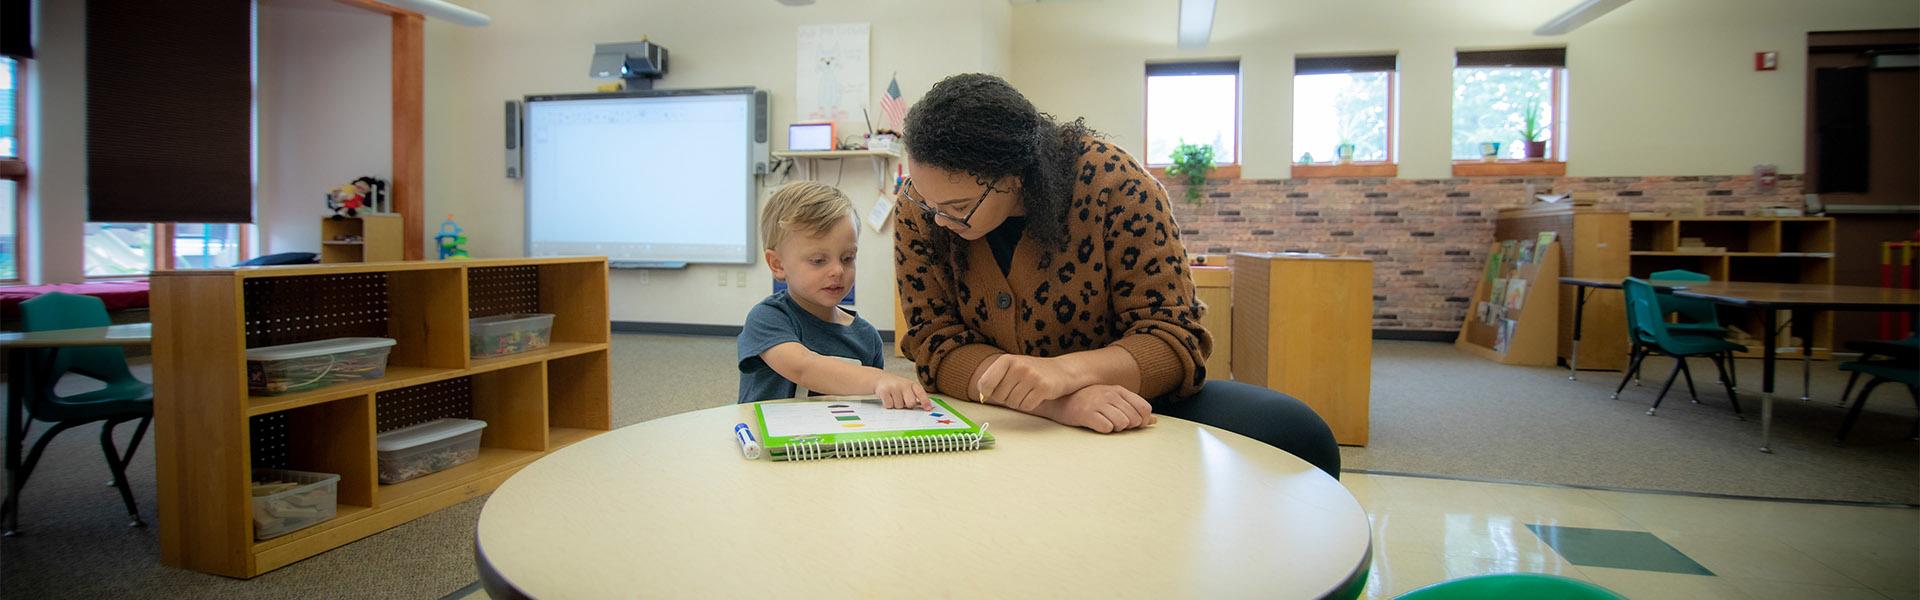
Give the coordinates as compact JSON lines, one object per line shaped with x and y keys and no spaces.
{"x":210,"y":432}
{"x":1766,"y":249}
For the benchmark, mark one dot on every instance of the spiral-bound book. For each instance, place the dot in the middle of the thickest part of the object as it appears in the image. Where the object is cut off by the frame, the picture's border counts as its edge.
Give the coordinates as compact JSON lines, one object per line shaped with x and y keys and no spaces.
{"x":846,"y":427}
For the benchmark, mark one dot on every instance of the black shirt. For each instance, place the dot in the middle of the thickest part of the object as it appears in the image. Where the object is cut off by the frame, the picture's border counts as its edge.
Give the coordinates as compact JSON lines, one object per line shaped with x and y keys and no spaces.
{"x":1003,"y":239}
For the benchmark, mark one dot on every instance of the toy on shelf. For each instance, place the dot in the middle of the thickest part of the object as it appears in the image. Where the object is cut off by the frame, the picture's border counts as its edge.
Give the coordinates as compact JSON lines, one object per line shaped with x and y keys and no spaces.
{"x":452,"y":240}
{"x":363,"y":195}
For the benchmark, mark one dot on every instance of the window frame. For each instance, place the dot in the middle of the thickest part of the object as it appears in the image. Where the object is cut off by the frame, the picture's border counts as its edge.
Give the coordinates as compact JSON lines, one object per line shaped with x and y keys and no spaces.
{"x":1390,"y":167}
{"x":16,"y":170}
{"x":1555,"y":161}
{"x":1239,"y":90}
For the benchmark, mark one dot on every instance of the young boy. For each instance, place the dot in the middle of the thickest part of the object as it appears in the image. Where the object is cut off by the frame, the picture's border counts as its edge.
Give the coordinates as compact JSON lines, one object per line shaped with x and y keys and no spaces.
{"x":801,"y":336}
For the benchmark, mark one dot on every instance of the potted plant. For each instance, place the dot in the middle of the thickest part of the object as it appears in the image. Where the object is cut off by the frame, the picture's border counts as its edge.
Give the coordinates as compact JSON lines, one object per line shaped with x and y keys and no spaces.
{"x":1349,"y":125}
{"x":1530,"y":130}
{"x":1191,"y":164}
{"x":1344,"y":152}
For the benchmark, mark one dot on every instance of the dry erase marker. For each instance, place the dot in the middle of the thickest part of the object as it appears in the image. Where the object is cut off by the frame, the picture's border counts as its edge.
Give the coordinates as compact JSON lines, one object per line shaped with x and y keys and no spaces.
{"x":748,"y":447}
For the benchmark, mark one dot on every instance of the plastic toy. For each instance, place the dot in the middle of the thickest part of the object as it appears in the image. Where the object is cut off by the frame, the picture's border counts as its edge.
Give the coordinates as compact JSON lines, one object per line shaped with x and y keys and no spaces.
{"x":365,"y":194}
{"x":452,"y":239}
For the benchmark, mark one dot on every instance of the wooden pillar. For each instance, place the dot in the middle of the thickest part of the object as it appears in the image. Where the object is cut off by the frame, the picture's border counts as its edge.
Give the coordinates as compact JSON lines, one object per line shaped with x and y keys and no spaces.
{"x":409,"y":155}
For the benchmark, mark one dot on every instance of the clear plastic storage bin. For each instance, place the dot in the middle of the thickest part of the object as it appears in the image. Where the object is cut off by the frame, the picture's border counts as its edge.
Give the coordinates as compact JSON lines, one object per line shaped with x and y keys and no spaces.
{"x":416,"y":450}
{"x":313,"y":498}
{"x":500,"y":335}
{"x":298,"y":367}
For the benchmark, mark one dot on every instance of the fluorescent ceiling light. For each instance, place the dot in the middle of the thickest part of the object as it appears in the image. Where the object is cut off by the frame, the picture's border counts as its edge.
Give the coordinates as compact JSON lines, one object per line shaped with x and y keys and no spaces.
{"x":1579,"y":15}
{"x":1196,"y":23}
{"x":443,"y":10}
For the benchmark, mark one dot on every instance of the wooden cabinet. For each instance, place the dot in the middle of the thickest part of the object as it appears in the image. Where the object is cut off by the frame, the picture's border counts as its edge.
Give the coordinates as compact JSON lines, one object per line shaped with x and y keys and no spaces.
{"x":1304,"y":326}
{"x":1759,"y":249}
{"x":368,"y":238}
{"x":210,"y":432}
{"x":1214,"y":287}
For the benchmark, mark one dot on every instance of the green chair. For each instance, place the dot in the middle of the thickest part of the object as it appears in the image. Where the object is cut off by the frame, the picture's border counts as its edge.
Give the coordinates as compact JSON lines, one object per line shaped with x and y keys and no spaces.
{"x":1696,"y":315}
{"x":1512,"y":585}
{"x":1895,"y":364}
{"x":1651,"y":335}
{"x":124,"y":398}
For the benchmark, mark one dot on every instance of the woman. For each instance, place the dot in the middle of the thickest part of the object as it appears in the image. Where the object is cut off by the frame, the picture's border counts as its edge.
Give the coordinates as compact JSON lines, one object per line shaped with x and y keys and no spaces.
{"x":1040,"y":268}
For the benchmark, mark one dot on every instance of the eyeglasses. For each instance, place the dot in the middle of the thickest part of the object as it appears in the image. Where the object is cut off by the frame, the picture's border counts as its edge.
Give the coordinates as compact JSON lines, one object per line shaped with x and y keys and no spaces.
{"x":963,"y":221}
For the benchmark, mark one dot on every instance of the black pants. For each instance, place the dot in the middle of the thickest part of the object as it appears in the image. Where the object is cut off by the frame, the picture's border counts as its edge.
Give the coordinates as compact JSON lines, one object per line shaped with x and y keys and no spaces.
{"x":1261,"y":414}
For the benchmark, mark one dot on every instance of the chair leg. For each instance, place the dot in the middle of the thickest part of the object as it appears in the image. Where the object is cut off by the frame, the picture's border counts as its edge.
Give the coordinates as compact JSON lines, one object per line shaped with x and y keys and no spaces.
{"x":1694,"y":395}
{"x":1847,"y":392}
{"x":119,"y":467}
{"x":139,"y":431}
{"x":1663,"y":389}
{"x":1633,"y":368}
{"x":1723,"y":364}
{"x":1853,"y":414}
{"x":1915,"y":392}
{"x":18,"y":482}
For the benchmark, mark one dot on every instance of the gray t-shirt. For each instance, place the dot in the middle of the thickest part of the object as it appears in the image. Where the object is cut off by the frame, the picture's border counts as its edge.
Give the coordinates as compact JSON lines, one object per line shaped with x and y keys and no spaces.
{"x":777,"y":320}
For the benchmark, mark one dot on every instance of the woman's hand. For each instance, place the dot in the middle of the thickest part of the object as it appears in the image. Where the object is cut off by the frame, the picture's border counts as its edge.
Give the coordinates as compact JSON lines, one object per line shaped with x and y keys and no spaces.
{"x":900,"y":392}
{"x":1023,"y":382}
{"x":1104,"y":408}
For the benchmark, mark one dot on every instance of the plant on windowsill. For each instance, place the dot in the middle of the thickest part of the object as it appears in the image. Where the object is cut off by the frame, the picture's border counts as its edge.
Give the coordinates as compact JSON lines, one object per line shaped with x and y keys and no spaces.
{"x":1531,"y":128}
{"x":1191,"y":164}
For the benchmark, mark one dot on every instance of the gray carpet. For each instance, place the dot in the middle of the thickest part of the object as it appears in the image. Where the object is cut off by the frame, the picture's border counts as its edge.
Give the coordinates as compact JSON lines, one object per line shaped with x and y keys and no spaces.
{"x":1434,"y":411}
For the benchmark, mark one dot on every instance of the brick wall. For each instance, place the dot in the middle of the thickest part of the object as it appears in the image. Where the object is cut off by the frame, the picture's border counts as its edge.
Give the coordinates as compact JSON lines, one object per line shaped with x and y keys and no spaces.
{"x":1428,"y":238}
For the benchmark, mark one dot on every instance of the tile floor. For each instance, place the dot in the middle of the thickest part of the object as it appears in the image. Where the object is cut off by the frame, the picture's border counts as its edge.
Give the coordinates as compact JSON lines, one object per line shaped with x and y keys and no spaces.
{"x":1431,"y":530}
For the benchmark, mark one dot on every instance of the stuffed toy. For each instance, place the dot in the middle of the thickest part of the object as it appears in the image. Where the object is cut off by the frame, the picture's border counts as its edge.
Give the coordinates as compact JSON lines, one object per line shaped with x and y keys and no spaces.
{"x":365,"y":194}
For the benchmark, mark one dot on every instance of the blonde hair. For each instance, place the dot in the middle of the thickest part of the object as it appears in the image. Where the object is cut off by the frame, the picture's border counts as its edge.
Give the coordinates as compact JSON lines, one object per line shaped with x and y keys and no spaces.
{"x":807,"y":207}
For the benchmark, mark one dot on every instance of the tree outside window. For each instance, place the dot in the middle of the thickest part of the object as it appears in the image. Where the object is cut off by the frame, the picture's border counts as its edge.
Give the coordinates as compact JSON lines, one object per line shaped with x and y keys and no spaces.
{"x":1196,"y":103}
{"x":1490,"y":103}
{"x":1330,"y":109}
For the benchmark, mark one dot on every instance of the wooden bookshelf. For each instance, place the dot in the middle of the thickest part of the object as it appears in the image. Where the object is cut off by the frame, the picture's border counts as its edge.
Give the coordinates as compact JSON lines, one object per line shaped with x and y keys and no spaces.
{"x":1749,"y":248}
{"x":1516,"y":335}
{"x":210,"y":432}
{"x":377,"y":239}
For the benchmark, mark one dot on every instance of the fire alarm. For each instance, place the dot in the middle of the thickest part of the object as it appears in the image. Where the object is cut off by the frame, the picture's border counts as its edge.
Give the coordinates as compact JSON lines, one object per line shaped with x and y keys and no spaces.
{"x":1766,"y":61}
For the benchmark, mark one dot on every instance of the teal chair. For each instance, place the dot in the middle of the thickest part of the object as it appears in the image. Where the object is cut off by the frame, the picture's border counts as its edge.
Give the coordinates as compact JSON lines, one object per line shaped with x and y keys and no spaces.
{"x":124,"y":398}
{"x":1881,"y":362}
{"x":1512,"y":585}
{"x":1651,"y":335}
{"x":1696,"y":317}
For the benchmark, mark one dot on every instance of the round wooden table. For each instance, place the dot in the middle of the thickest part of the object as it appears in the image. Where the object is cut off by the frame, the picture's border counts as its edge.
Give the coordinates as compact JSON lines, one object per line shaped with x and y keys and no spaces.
{"x":669,"y":508}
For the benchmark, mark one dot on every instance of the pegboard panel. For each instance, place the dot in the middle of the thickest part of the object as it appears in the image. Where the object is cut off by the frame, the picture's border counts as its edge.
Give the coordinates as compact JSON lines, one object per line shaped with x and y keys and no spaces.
{"x":450,"y":399}
{"x":286,"y":310}
{"x":267,"y":440}
{"x":502,"y":290}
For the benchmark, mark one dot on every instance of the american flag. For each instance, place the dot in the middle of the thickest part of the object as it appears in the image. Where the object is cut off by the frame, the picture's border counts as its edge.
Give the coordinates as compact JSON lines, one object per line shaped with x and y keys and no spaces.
{"x":892,"y":105}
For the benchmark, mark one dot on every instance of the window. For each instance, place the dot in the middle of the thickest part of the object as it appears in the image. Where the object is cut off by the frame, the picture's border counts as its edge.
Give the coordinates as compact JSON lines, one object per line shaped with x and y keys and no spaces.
{"x":12,"y":169}
{"x":206,"y":245}
{"x":1340,"y":100}
{"x":1494,"y":91}
{"x":1196,"y":103}
{"x":119,"y":249}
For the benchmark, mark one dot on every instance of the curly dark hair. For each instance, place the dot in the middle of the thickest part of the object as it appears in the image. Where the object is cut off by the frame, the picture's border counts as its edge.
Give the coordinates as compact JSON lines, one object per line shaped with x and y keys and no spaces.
{"x":980,"y":125}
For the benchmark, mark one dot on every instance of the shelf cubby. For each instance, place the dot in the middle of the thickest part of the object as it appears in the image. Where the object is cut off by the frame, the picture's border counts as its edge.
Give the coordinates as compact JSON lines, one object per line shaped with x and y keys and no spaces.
{"x":205,"y":320}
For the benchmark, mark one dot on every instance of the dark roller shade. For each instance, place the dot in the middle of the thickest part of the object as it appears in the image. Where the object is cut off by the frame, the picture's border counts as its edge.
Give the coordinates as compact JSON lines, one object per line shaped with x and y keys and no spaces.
{"x":1527,"y":57}
{"x":1228,"y":67}
{"x":1321,"y":65}
{"x":16,"y":29}
{"x":169,"y":111}
{"x":1843,"y":134}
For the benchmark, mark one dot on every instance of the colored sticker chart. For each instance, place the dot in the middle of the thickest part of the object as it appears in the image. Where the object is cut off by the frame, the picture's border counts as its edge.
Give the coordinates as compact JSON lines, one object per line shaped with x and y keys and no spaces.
{"x":853,"y":416}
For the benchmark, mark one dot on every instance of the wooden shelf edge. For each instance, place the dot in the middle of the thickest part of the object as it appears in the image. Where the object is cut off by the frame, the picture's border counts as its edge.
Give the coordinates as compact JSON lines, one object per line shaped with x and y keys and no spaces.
{"x":336,"y":534}
{"x":342,"y":515}
{"x":490,"y":461}
{"x":1355,"y":170}
{"x":396,"y":377}
{"x":552,"y":351}
{"x":561,"y":437}
{"x":1509,"y":169}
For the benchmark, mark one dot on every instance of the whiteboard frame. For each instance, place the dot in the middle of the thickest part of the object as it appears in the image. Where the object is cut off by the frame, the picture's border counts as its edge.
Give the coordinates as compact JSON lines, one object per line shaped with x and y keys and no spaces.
{"x":746,"y":168}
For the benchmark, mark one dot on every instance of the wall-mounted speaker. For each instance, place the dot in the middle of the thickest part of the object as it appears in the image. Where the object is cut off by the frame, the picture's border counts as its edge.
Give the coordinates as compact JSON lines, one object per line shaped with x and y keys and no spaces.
{"x":762,"y":157}
{"x":513,"y":139}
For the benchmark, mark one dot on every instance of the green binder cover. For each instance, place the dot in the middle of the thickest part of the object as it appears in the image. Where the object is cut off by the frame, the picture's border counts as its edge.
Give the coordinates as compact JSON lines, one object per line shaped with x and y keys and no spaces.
{"x":846,"y":427}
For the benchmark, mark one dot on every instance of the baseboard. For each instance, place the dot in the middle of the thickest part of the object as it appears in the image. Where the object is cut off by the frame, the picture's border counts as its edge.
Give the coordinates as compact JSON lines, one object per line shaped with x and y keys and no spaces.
{"x":1415,"y":335}
{"x":886,"y":335}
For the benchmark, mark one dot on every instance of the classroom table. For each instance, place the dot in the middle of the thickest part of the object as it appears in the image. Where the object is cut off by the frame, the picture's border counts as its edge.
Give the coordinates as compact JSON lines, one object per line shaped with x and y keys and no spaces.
{"x":1800,"y":299}
{"x":1581,"y":287}
{"x":669,"y":508}
{"x":21,"y":369}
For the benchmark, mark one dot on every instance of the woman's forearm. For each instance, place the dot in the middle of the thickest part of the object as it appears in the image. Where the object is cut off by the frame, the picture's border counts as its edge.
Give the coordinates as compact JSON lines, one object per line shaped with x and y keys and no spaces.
{"x":1111,"y":365}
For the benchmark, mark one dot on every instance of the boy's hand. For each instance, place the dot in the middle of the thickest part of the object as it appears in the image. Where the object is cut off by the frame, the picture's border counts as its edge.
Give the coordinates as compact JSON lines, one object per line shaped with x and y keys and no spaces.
{"x":1104,"y":408}
{"x":900,"y":392}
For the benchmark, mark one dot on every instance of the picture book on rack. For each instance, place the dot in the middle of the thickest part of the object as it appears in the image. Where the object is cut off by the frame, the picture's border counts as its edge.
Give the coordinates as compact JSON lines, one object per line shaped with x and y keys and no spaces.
{"x":839,"y":427}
